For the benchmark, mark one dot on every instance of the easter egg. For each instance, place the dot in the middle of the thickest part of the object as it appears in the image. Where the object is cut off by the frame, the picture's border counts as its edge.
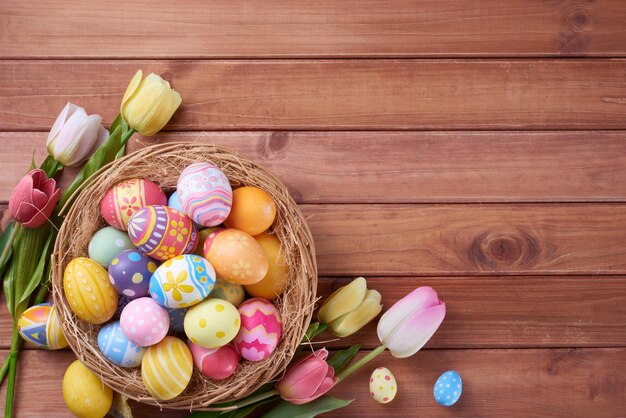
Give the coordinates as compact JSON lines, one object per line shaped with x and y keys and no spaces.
{"x":383,"y":386}
{"x":260,"y":331}
{"x":253,"y":210}
{"x":215,"y":363}
{"x":212,"y":323}
{"x":274,"y":282}
{"x":166,"y":368}
{"x":117,"y":348}
{"x":84,"y":393}
{"x":205,"y":193}
{"x":122,"y":301}
{"x":236,"y":256}
{"x":88,"y":291}
{"x":125,"y":198}
{"x":130,"y":272}
{"x":161,"y":232}
{"x":177,"y":319}
{"x":174,"y":202}
{"x":182,"y":281}
{"x":107,"y":243}
{"x":230,"y":292}
{"x":202,"y":237}
{"x":144,"y":322}
{"x":448,"y":387}
{"x":39,"y":325}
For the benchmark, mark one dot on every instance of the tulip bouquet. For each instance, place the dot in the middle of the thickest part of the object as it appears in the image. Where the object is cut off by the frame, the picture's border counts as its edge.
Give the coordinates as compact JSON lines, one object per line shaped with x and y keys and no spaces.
{"x":37,"y":205}
{"x":403,"y":330}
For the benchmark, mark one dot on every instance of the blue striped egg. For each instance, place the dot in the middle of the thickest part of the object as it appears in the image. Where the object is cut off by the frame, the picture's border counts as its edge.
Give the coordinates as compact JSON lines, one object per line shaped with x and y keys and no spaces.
{"x":448,"y":387}
{"x":182,"y":281}
{"x":117,"y":348}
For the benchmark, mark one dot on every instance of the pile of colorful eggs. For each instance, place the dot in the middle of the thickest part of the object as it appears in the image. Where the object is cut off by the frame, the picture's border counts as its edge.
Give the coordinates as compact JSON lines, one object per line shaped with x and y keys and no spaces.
{"x":168,"y":278}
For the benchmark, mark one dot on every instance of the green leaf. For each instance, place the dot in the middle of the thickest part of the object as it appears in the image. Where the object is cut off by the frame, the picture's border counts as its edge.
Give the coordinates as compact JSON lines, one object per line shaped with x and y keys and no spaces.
{"x":235,"y":413}
{"x":119,"y":121}
{"x":38,"y":274}
{"x":321,"y":405}
{"x":104,"y":155}
{"x":6,"y":245}
{"x":341,"y":358}
{"x":313,"y":331}
{"x":51,"y":166}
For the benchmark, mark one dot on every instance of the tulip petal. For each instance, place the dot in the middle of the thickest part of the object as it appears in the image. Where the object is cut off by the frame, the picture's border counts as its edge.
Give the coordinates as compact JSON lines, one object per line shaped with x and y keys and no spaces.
{"x":101,"y":138}
{"x":420,"y":299}
{"x":130,"y":90}
{"x":353,"y":321}
{"x":22,"y":193}
{"x":48,"y":187}
{"x":343,"y":300}
{"x":67,"y":111}
{"x":85,"y":141}
{"x":152,"y":106}
{"x":411,"y":335}
{"x":304,"y":380}
{"x":44,"y":213}
{"x":39,"y":198}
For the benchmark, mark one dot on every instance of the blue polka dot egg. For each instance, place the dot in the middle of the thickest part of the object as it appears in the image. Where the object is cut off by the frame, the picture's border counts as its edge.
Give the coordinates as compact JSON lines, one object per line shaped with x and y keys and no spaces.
{"x":177,"y":319}
{"x":448,"y":387}
{"x":116,"y":347}
{"x":130,"y":272}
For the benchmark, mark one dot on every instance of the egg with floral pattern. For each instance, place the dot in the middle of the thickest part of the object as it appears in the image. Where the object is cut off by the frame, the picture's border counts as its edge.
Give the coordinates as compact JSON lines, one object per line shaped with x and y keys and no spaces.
{"x":39,"y":325}
{"x":122,"y":200}
{"x":114,"y":345}
{"x":205,"y":193}
{"x":182,"y":281}
{"x":261,"y":328}
{"x":161,"y":232}
{"x":212,"y":323}
{"x":229,"y":292}
{"x":236,"y":256}
{"x":383,"y":386}
{"x":130,"y":273}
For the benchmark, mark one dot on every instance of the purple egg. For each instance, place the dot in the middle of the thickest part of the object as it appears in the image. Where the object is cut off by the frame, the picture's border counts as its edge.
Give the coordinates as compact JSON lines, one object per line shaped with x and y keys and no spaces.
{"x":130,"y":272}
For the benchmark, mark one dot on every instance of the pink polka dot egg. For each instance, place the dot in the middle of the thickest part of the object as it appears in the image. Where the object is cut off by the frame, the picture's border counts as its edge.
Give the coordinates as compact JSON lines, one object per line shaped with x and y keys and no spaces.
{"x":261,"y":328}
{"x":144,"y":322}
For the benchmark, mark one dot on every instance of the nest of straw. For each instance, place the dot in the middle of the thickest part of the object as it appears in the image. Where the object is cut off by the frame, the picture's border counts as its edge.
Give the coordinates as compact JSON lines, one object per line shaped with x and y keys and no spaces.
{"x":162,"y":164}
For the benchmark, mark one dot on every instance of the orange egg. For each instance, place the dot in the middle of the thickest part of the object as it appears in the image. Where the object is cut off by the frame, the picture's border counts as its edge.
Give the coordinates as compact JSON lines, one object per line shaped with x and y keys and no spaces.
{"x":276,"y":278}
{"x":202,"y":236}
{"x":253,"y":210}
{"x":236,"y":256}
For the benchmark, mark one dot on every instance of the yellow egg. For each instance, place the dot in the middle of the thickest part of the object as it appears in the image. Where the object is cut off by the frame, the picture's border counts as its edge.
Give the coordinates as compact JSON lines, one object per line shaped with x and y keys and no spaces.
{"x":89,"y":291}
{"x":84,"y":393}
{"x":230,"y":292}
{"x":202,"y":236}
{"x":383,"y":386}
{"x":276,"y":278}
{"x":166,"y":368}
{"x":253,"y":210}
{"x":212,"y":323}
{"x":236,"y":256}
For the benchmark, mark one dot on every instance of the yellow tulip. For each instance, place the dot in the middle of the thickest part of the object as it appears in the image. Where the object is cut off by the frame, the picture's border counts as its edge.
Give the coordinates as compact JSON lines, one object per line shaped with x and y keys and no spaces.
{"x":149,"y":104}
{"x":353,"y":321}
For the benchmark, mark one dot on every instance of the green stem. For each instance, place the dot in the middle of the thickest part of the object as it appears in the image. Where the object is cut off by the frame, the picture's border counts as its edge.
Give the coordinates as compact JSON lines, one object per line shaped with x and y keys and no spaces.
{"x":5,"y":369}
{"x":42,"y":293}
{"x":9,"y":244}
{"x":126,"y":137}
{"x":361,"y":362}
{"x":255,"y":399}
{"x":15,"y":344}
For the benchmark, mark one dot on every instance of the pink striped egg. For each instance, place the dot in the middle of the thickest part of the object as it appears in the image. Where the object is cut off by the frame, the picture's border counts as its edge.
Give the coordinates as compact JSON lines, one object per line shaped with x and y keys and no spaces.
{"x":125,"y":198}
{"x":261,"y":328}
{"x":205,"y":194}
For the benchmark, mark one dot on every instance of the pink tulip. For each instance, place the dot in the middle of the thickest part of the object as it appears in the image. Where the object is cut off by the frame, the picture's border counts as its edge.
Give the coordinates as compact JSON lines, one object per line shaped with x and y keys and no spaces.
{"x":33,"y":199}
{"x":410,"y":323}
{"x":307,"y":380}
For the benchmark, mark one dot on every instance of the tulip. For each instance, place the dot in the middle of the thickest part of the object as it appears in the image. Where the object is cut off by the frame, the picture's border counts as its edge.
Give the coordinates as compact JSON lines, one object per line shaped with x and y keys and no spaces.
{"x":350,"y":308}
{"x":308,"y":379}
{"x":75,"y":136}
{"x":149,"y":104}
{"x":33,"y":199}
{"x":410,"y":323}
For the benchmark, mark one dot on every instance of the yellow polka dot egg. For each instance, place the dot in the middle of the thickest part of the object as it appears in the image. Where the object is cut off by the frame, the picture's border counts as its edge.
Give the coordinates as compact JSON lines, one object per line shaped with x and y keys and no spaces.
{"x":88,"y":291}
{"x":212,"y":323}
{"x":383,"y":386}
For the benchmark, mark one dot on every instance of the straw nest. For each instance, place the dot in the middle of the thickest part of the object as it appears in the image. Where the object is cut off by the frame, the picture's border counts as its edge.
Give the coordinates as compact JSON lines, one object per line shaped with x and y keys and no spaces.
{"x":162,"y":164}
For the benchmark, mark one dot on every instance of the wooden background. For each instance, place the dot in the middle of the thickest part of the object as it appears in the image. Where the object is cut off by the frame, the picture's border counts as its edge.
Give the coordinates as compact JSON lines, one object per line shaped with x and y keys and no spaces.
{"x":478,"y":147}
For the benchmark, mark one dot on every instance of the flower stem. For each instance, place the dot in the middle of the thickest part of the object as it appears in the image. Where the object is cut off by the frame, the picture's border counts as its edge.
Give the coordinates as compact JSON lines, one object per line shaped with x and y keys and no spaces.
{"x":361,"y":362}
{"x":9,"y":244}
{"x":126,"y":137}
{"x":15,"y":344}
{"x":5,"y":369}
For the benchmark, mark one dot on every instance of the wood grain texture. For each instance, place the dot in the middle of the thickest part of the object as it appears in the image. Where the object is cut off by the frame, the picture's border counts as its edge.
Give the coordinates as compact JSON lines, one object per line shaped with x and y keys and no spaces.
{"x":333,"y":95}
{"x":512,"y":383}
{"x":496,"y":312}
{"x":403,"y":167}
{"x":329,"y":28}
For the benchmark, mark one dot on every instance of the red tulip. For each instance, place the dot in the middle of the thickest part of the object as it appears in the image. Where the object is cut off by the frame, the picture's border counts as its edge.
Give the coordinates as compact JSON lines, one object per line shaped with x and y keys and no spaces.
{"x":33,"y":199}
{"x":308,"y":379}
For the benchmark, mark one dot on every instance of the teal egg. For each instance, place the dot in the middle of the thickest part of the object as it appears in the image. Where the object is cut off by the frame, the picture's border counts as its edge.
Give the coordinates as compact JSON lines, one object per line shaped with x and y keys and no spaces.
{"x":107,"y":243}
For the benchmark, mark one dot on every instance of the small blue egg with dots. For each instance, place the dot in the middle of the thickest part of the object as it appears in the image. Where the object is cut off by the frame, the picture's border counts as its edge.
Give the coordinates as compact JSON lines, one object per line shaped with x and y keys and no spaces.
{"x":448,"y":387}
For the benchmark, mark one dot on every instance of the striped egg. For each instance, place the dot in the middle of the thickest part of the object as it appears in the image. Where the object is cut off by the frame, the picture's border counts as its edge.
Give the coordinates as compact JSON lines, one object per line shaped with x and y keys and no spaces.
{"x":182,"y":281}
{"x":261,"y":328}
{"x":117,"y":348}
{"x":161,"y":232}
{"x":125,"y":198}
{"x":166,"y":368}
{"x":39,"y":325}
{"x":205,"y":194}
{"x":88,"y":291}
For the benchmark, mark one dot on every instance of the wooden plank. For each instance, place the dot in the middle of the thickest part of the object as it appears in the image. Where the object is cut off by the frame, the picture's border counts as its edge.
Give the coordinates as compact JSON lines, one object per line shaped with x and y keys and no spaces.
{"x":333,"y":95}
{"x":496,"y":312}
{"x":404,"y":167}
{"x":512,"y":383}
{"x":331,"y":28}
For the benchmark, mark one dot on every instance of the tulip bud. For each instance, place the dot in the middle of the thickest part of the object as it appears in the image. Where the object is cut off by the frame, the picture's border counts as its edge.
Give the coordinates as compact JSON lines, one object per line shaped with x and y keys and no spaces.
{"x":308,"y":379}
{"x":75,"y":136}
{"x":149,"y":104}
{"x":411,"y":321}
{"x":351,"y":322}
{"x":33,"y":199}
